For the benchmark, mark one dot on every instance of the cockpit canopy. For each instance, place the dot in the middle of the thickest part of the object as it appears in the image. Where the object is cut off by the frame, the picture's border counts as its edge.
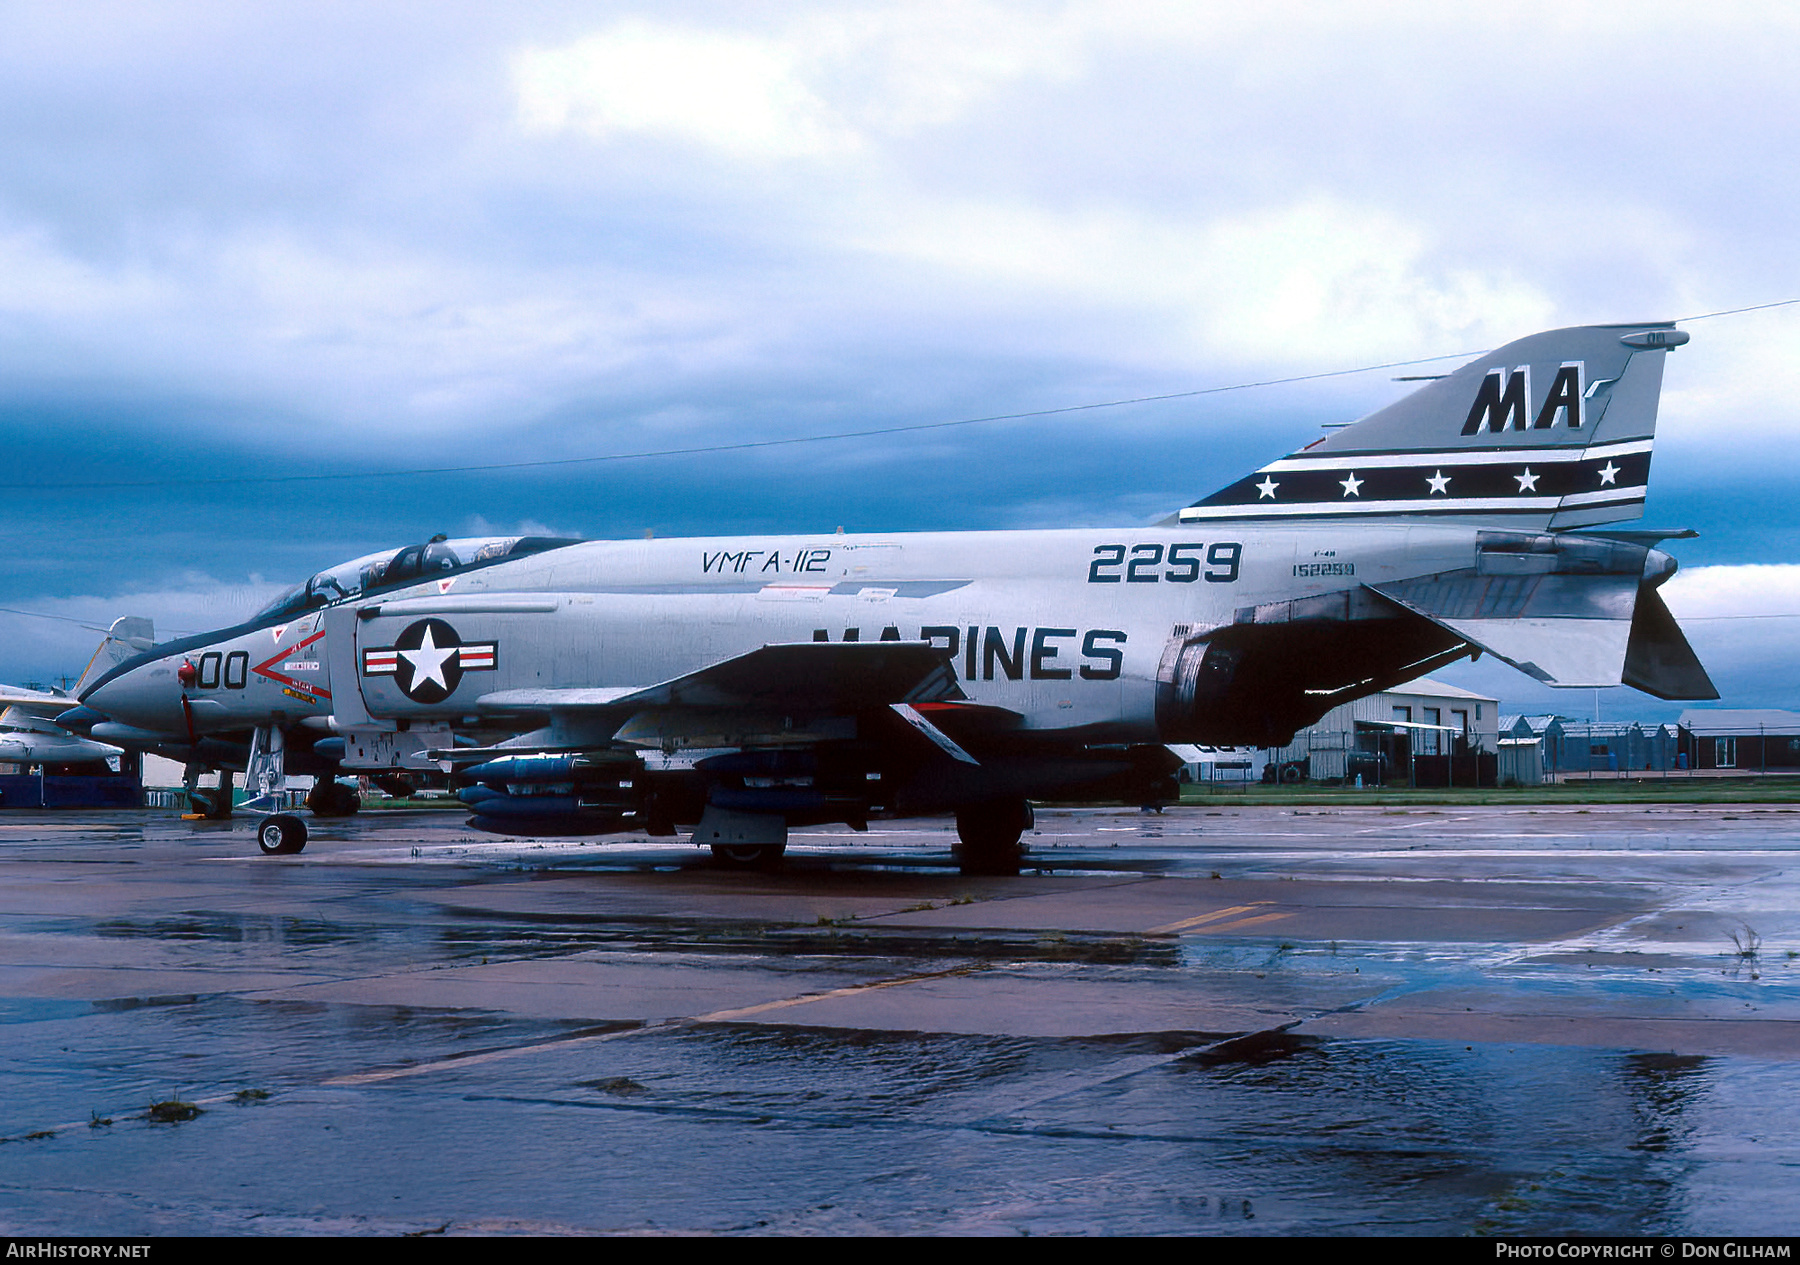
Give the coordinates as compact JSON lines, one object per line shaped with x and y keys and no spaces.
{"x":391,"y":568}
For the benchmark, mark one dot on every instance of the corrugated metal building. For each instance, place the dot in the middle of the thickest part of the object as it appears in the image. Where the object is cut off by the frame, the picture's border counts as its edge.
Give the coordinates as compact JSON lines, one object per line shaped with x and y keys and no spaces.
{"x":1382,"y":738}
{"x":1548,"y":730}
{"x":1578,"y":746}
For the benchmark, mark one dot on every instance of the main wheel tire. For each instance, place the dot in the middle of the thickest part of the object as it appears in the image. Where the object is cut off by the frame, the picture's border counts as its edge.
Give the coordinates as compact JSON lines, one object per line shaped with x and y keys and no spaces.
{"x":990,"y":836}
{"x":748,"y":856}
{"x":333,"y":799}
{"x":281,"y":834}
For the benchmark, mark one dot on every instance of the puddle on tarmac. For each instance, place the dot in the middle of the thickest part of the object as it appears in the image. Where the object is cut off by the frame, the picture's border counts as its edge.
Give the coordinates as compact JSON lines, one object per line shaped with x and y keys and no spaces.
{"x":792,"y":1130}
{"x":508,"y":1123}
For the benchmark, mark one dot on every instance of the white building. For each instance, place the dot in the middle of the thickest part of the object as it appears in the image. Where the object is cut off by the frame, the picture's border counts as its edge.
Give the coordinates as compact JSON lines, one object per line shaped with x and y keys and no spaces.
{"x":1380,"y":737}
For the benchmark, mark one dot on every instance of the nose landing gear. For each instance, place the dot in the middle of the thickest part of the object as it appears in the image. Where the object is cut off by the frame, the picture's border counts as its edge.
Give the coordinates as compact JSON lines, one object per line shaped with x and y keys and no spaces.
{"x":281,"y":835}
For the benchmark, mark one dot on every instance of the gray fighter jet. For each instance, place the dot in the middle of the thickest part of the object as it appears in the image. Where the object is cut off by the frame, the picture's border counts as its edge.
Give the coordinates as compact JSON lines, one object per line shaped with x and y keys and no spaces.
{"x":31,"y":729}
{"x":29,"y":737}
{"x":254,"y":698}
{"x":743,"y":685}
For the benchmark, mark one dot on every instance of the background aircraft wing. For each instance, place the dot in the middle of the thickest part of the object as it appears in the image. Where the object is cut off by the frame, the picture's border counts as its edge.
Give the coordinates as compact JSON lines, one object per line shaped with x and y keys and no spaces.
{"x":16,"y":703}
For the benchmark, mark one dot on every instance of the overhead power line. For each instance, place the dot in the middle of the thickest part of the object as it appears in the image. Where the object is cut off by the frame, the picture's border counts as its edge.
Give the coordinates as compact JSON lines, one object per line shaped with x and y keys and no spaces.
{"x":753,"y":444}
{"x":699,"y":449}
{"x":67,"y":619}
{"x":1733,"y":311}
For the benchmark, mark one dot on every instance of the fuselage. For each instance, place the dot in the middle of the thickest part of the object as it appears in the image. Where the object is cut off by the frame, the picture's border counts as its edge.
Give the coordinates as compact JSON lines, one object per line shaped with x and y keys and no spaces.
{"x":1068,"y":629}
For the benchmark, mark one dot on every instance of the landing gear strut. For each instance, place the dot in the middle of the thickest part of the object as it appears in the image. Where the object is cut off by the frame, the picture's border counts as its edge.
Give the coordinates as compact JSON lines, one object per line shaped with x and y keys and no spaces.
{"x":990,"y":836}
{"x":265,"y":777}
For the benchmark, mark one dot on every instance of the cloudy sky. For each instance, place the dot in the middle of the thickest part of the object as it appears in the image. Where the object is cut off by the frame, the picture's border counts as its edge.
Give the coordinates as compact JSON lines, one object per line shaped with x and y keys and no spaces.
{"x":242,"y":246}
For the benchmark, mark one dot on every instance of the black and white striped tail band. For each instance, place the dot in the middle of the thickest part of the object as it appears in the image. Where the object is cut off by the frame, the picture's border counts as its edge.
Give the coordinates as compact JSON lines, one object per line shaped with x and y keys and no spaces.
{"x":1491,"y":481}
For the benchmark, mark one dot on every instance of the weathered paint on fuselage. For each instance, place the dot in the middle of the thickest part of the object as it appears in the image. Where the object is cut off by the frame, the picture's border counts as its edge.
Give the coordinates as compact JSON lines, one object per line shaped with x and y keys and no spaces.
{"x":276,"y":672}
{"x":1065,"y":628}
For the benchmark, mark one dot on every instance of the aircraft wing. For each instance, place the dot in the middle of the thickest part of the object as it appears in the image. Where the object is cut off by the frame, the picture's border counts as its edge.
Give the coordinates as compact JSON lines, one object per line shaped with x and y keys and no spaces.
{"x":789,"y":694}
{"x":836,"y":677}
{"x":23,"y":702}
{"x":42,"y":744}
{"x":805,"y":677}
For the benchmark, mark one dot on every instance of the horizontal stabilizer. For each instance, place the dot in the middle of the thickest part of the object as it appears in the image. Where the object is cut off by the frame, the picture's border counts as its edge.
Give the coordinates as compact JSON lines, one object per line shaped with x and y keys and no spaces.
{"x":1564,"y":652}
{"x":1558,"y":608}
{"x":1659,"y":660}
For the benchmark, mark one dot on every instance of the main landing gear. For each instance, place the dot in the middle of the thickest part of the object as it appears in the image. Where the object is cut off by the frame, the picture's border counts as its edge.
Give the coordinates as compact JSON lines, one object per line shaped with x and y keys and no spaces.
{"x":990,"y":836}
{"x":748,"y":856}
{"x":212,"y":805}
{"x":742,"y":841}
{"x":331,"y":798}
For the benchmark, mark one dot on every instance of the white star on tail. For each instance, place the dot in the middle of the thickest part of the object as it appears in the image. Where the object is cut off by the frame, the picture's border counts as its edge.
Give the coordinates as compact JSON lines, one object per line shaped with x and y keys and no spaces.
{"x":428,"y":662}
{"x":1266,"y":488}
{"x":1351,"y":484}
{"x":1608,"y":473}
{"x":1439,"y":482}
{"x":1527,"y":481}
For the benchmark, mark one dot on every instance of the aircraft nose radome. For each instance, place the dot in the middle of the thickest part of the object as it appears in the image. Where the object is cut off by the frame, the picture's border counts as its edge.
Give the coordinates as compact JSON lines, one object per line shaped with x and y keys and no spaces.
{"x":137,"y":698}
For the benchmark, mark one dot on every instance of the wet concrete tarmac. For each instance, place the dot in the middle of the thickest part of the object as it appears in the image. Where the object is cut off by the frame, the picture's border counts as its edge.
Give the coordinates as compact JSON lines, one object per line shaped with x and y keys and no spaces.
{"x":1216,"y":1020}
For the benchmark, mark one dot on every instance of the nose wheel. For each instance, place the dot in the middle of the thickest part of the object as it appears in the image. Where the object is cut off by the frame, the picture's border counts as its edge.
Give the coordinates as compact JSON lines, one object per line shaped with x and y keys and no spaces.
{"x":281,"y":834}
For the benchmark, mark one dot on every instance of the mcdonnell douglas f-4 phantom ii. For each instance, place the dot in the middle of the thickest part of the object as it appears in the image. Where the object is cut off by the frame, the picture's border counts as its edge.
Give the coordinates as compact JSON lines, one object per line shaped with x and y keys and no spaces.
{"x":31,"y":728}
{"x":254,"y":697}
{"x":748,"y":684}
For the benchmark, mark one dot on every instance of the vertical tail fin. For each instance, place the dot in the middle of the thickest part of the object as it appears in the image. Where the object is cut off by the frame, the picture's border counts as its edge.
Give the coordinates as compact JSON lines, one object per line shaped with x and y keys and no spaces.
{"x":1551,"y":431}
{"x":129,"y":635}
